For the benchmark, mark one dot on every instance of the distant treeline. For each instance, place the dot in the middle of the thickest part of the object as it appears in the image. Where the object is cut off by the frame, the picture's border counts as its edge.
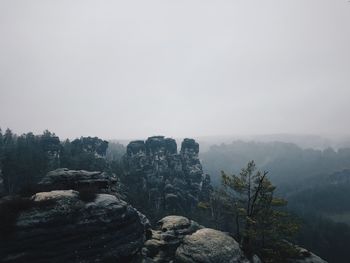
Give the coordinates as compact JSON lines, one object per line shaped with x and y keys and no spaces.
{"x":286,"y":162}
{"x":25,"y":158}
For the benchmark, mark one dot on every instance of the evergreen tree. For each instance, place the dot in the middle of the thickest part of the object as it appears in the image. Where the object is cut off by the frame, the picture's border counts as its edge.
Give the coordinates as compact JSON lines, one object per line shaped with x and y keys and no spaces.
{"x":1,"y":149}
{"x":260,"y":226}
{"x":9,"y":161}
{"x":51,"y":145}
{"x":86,"y":153}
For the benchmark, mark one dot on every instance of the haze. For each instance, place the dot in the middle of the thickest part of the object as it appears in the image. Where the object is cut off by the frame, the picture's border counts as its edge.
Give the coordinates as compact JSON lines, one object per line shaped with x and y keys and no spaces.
{"x":131,"y":69}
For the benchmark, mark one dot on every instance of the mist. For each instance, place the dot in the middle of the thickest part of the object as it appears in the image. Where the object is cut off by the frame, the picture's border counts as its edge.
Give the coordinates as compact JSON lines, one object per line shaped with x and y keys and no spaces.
{"x":132,"y":69}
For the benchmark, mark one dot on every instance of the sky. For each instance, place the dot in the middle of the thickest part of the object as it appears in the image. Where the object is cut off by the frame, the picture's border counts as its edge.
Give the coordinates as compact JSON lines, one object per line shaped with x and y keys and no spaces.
{"x":181,"y":68}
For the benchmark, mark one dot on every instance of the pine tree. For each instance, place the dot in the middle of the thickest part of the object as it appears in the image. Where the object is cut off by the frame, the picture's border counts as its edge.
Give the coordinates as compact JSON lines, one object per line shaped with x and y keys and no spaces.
{"x":261,"y":225}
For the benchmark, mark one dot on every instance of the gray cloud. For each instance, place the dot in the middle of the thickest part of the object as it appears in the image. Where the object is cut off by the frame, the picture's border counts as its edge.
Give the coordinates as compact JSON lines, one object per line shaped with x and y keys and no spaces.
{"x":127,"y":69}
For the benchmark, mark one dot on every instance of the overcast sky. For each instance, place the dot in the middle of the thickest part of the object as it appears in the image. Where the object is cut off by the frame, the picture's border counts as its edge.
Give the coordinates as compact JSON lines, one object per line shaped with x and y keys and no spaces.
{"x":131,"y":69}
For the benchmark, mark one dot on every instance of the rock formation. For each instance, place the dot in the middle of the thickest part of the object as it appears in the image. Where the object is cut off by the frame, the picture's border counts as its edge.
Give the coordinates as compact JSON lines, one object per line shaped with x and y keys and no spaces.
{"x":209,"y":246}
{"x":75,"y":226}
{"x":65,"y":179}
{"x":181,"y":240}
{"x":184,"y":241}
{"x":167,"y":237}
{"x":307,"y":257}
{"x":171,"y":182}
{"x":67,"y":229}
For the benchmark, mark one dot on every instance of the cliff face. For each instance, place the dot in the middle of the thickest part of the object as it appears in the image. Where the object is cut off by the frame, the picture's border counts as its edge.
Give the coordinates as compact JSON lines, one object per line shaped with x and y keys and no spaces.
{"x":168,"y":181}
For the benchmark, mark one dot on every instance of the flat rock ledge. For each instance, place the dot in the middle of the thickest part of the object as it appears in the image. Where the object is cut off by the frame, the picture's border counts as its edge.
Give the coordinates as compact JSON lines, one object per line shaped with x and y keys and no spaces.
{"x":65,"y":179}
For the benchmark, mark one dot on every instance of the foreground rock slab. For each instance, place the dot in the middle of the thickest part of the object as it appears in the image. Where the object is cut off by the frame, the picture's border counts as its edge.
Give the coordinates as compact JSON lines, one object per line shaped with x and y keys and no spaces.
{"x":66,"y":229}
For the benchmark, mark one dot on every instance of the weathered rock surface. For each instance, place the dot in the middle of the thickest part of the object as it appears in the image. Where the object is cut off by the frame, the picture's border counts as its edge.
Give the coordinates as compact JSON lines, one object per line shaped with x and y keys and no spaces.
{"x":167,"y":237}
{"x":178,"y":239}
{"x":71,"y":230}
{"x":308,"y":257}
{"x":170,"y":181}
{"x":61,"y":227}
{"x":209,"y":246}
{"x":65,"y":179}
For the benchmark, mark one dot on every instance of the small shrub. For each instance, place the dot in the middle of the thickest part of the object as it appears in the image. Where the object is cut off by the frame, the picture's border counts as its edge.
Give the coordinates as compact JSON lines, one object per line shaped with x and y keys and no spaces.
{"x":88,"y":193}
{"x":30,"y":190}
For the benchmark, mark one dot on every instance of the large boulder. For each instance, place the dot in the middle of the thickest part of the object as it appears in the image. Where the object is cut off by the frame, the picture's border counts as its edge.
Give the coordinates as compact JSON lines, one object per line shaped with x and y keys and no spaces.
{"x":166,"y":238}
{"x":179,"y":239}
{"x":209,"y":246}
{"x":58,"y":226}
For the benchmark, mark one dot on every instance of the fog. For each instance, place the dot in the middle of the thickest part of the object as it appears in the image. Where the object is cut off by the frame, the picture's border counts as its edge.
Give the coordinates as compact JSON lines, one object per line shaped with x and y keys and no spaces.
{"x":131,"y":69}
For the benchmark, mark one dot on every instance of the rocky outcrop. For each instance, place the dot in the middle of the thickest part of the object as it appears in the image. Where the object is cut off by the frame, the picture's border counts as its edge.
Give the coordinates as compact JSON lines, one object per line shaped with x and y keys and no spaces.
{"x":307,"y":257}
{"x":65,"y":179}
{"x":178,"y":239}
{"x":170,"y":181}
{"x":60,"y":227}
{"x":167,"y":237}
{"x":181,"y":240}
{"x":209,"y":246}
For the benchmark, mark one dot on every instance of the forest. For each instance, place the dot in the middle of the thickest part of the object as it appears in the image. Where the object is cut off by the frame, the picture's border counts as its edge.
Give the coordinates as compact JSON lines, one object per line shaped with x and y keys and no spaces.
{"x":316,"y":184}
